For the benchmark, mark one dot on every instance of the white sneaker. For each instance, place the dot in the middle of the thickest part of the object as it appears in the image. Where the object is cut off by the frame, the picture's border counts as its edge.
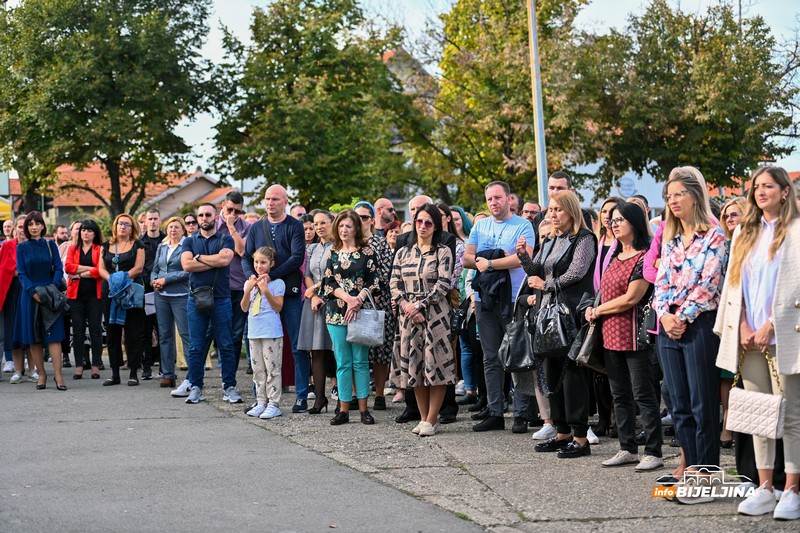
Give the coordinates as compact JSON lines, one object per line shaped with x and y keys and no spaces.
{"x":16,"y":378}
{"x":428,"y":429}
{"x":195,"y":395}
{"x":591,"y":437}
{"x":272,"y":411}
{"x":183,"y":390}
{"x":761,"y":501}
{"x":460,"y":390}
{"x":667,"y":420}
{"x":232,"y":395}
{"x":416,"y":429}
{"x":389,"y":388}
{"x":34,"y":376}
{"x":547,"y":432}
{"x":623,"y":457}
{"x":311,"y":395}
{"x":335,"y":393}
{"x":789,"y":506}
{"x":8,"y":367}
{"x":257,"y":410}
{"x":649,"y":462}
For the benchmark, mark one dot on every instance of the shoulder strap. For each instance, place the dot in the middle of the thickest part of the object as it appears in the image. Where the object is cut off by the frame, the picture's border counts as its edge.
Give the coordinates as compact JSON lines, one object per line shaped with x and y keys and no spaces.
{"x":268,"y":235}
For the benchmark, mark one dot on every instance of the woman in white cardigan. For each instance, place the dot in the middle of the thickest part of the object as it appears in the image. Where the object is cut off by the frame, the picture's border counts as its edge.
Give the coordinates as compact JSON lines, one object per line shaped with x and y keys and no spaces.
{"x":760,"y":314}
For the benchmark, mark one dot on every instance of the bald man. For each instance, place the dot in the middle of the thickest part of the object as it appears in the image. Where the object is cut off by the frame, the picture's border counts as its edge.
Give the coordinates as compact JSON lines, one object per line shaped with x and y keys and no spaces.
{"x":286,"y":235}
{"x":384,"y":213}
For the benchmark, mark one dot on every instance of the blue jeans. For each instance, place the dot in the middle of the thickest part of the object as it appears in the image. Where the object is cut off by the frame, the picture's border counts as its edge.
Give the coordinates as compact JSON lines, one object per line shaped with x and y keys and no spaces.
{"x":691,"y":374}
{"x":466,"y":363}
{"x":290,"y":315}
{"x":171,"y":311}
{"x":219,"y":319}
{"x":350,"y":359}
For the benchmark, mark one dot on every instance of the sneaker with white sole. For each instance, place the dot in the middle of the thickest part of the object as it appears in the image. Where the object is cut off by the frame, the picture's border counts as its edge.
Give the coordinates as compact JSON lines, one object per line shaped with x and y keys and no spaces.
{"x":16,"y":378}
{"x":272,"y":411}
{"x":623,"y":457}
{"x":8,"y":367}
{"x":257,"y":410}
{"x":591,"y":437}
{"x":789,"y":506}
{"x":183,"y":390}
{"x":195,"y":395}
{"x":649,"y":462}
{"x":460,"y":390}
{"x":232,"y":395}
{"x":311,"y":394}
{"x":547,"y":432}
{"x":761,"y":501}
{"x":34,"y":376}
{"x":428,"y":430}
{"x":335,"y":393}
{"x":667,"y":420}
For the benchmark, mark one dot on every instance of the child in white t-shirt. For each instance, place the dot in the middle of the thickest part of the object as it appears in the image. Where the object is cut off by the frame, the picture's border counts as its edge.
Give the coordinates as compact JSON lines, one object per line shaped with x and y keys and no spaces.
{"x":263,"y":302}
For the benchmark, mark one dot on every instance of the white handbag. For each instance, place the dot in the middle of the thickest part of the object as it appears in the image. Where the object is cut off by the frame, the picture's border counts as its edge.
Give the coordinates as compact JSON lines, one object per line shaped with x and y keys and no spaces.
{"x":367,"y":328}
{"x":756,"y":413}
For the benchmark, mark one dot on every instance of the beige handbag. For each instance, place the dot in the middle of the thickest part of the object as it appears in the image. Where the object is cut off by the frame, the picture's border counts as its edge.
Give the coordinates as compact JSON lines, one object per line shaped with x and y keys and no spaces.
{"x":756,"y":413}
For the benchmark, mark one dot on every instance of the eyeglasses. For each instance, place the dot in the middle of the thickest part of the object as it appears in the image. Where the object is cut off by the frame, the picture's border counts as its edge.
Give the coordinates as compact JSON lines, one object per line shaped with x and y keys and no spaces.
{"x":364,"y":217}
{"x":234,"y":210}
{"x":616,"y":221}
{"x":677,"y":195}
{"x":190,"y":222}
{"x":124,"y":224}
{"x":530,"y":212}
{"x":731,"y":215}
{"x":390,"y":209}
{"x":424,"y":222}
{"x":205,"y":215}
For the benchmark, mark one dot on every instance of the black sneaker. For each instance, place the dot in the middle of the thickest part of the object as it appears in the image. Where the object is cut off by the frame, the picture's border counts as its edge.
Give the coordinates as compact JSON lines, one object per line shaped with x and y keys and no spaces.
{"x":491,"y":423}
{"x":477,"y":407}
{"x":468,"y":399}
{"x":520,"y":425}
{"x":447,"y":418}
{"x":552,"y":445}
{"x":66,"y":364}
{"x":483,"y":415}
{"x":380,"y":403}
{"x":407,"y":416}
{"x":147,"y":375}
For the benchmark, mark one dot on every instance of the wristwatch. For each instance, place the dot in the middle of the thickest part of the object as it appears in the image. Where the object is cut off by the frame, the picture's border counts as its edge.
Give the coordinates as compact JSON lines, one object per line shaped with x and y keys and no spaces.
{"x":489,"y":267}
{"x":197,"y":258}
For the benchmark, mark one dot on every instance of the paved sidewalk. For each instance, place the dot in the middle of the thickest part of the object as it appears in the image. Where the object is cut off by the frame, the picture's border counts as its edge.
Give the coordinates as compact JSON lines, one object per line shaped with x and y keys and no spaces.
{"x":130,"y":459}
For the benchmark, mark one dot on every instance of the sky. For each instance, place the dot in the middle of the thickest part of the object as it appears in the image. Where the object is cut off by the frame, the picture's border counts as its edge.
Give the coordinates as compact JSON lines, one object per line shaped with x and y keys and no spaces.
{"x":600,"y":15}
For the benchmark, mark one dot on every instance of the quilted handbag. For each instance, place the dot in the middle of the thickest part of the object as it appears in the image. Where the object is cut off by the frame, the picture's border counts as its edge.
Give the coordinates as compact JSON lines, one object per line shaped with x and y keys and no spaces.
{"x":367,"y":327}
{"x":756,"y":413}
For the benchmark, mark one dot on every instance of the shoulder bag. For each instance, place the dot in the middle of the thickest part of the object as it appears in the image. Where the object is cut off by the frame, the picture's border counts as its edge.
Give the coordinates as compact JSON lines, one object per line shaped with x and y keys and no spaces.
{"x":555,"y":328}
{"x":756,"y":413}
{"x":516,"y":348}
{"x":204,"y":296}
{"x":587,"y":350}
{"x":367,"y":327}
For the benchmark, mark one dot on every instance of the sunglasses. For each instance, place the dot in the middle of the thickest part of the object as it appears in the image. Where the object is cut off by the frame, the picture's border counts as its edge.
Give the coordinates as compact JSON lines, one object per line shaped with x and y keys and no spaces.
{"x":234,"y":210}
{"x":390,"y":209}
{"x":190,"y":222}
{"x":205,"y":215}
{"x":424,"y":222}
{"x":364,"y":217}
{"x":731,"y":215}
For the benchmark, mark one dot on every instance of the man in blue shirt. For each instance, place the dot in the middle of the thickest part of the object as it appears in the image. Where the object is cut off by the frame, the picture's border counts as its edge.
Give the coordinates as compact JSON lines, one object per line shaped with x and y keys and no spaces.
{"x":286,"y":235}
{"x":207,"y":256}
{"x":498,"y":234}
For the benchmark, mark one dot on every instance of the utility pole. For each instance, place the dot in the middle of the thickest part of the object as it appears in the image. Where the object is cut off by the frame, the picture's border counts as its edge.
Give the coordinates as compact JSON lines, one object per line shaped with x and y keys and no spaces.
{"x":538,"y":112}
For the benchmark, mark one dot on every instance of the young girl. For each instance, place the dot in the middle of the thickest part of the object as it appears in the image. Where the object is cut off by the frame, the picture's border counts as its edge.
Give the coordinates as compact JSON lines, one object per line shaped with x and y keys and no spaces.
{"x":263,"y":301}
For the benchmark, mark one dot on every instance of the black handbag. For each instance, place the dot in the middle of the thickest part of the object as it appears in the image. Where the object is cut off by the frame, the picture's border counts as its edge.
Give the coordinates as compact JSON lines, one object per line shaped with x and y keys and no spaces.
{"x":555,"y":329}
{"x":587,"y":350}
{"x":516,"y":348}
{"x":645,"y":323}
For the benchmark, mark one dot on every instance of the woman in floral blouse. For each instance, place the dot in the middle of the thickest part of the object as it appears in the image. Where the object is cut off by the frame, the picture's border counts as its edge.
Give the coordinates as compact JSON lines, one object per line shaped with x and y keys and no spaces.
{"x":350,"y":273}
{"x":687,"y":293}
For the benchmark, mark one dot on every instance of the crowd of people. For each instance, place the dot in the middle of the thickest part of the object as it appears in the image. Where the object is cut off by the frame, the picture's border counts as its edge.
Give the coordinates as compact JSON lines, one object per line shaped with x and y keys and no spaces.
{"x":681,"y":302}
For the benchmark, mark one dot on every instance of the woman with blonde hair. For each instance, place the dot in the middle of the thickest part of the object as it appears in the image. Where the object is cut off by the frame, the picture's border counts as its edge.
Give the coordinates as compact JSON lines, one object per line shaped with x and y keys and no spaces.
{"x":687,"y":290}
{"x":758,"y":325}
{"x":731,"y":215}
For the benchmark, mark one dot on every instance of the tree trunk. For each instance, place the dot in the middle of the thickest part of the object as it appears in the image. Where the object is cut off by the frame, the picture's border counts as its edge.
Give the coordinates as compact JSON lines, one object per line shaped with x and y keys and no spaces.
{"x":116,"y":206}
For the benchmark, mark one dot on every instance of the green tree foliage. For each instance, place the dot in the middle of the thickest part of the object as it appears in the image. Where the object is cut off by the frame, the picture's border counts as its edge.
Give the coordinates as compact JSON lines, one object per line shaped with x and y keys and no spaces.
{"x":107,"y":80}
{"x":312,"y":104}
{"x":484,"y":104}
{"x":679,"y":88}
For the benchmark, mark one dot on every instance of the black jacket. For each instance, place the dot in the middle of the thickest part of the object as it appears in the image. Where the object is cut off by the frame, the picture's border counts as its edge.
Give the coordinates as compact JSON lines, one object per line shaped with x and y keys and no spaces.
{"x":494,"y":287}
{"x":52,"y":304}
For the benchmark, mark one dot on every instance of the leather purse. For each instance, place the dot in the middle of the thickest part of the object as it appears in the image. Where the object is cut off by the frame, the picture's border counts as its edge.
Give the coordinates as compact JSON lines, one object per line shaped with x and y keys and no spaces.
{"x":555,"y":329}
{"x":645,"y":323}
{"x":516,"y":349}
{"x":587,"y":350}
{"x":756,"y":413}
{"x":367,"y":328}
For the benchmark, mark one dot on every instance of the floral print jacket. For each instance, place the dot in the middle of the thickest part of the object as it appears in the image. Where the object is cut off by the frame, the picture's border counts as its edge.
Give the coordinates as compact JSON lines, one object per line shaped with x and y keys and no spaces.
{"x":351,"y":272}
{"x":690,"y":279}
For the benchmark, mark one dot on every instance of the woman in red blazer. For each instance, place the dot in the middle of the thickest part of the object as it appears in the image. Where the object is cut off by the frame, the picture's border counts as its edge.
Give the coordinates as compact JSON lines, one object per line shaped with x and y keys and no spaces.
{"x":83,"y":293}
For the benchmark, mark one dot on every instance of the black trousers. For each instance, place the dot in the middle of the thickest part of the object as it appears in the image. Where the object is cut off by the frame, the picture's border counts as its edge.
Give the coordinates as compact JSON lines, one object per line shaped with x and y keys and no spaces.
{"x":134,"y":318}
{"x":87,"y":312}
{"x":569,"y":404}
{"x":150,"y":354}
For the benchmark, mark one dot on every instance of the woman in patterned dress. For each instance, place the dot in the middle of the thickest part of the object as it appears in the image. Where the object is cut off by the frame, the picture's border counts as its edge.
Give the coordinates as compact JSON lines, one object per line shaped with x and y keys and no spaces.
{"x":350,"y":273}
{"x":380,"y":356}
{"x":420,"y":284}
{"x":624,"y":294}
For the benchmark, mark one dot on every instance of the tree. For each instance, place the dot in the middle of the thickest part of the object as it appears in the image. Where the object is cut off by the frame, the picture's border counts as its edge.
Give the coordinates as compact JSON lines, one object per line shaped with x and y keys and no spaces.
{"x":312,"y":105}
{"x":676,"y":88}
{"x":483,"y":106}
{"x":100,"y":80}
